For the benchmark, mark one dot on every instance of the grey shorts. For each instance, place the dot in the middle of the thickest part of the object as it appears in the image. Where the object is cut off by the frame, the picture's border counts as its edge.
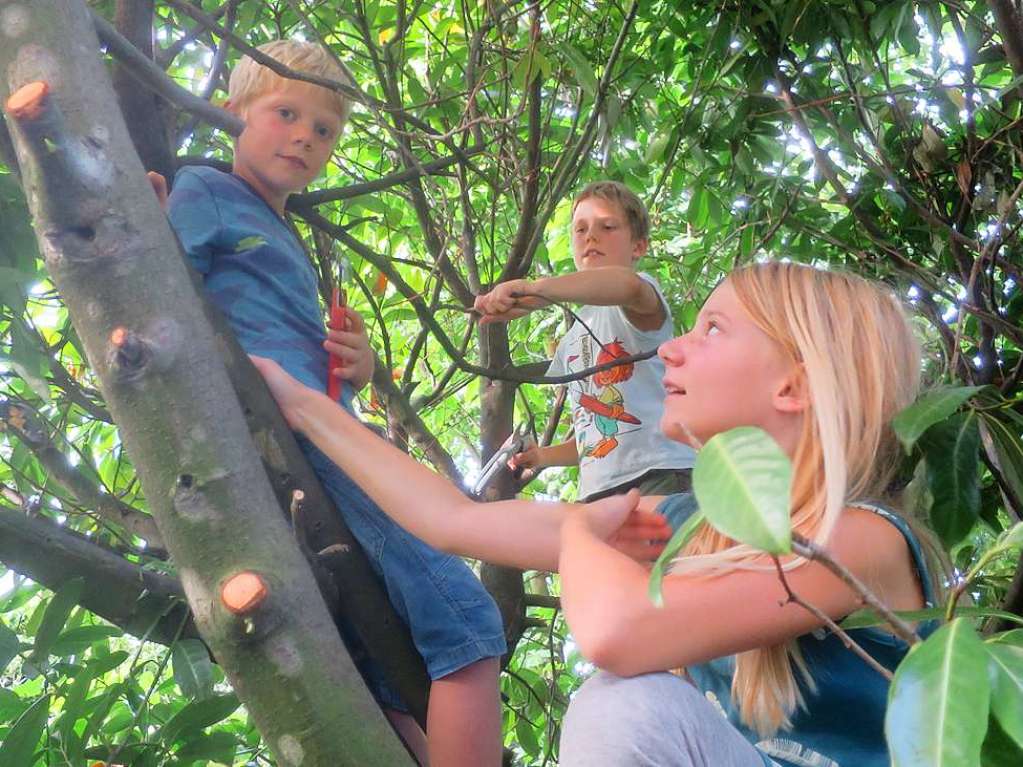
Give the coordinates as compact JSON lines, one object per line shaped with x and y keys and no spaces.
{"x":652,"y":720}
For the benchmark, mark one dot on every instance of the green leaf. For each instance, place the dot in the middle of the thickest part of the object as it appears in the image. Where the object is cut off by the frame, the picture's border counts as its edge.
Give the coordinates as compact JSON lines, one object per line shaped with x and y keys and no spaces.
{"x":999,"y":750}
{"x":12,"y":705}
{"x":932,"y":407}
{"x":55,"y":616}
{"x":19,"y":745}
{"x":100,"y":666}
{"x":76,"y":640}
{"x":192,"y":668}
{"x":197,"y":716}
{"x":679,"y":539}
{"x":699,"y":208}
{"x":581,"y":68}
{"x":1013,"y":637}
{"x":952,"y":452}
{"x":1006,"y":664}
{"x":938,"y":701}
{"x":219,"y":747}
{"x":1005,"y":442}
{"x":742,"y":481}
{"x":28,"y":361}
{"x":9,"y":646}
{"x":526,"y":736}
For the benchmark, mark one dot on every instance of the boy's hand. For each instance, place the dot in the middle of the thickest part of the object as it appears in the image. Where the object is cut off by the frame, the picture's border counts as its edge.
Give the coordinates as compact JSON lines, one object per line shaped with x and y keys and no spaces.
{"x":288,"y":392}
{"x":507,"y":301}
{"x":529,"y":460}
{"x":351,"y":346}
{"x":159,"y":184}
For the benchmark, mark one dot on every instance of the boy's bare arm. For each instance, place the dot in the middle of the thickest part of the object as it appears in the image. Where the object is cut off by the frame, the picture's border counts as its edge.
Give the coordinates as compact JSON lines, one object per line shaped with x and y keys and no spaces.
{"x":609,"y":286}
{"x":536,"y":458}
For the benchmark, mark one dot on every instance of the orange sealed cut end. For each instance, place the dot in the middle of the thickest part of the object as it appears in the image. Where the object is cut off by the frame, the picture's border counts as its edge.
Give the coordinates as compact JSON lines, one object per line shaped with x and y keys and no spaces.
{"x":243,"y":593}
{"x":28,"y":101}
{"x":118,"y":336}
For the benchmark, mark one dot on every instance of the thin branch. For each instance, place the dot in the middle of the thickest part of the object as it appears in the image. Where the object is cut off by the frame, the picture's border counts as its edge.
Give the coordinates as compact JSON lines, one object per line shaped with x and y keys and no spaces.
{"x":310,"y":199}
{"x":809,"y":550}
{"x":823,"y":617}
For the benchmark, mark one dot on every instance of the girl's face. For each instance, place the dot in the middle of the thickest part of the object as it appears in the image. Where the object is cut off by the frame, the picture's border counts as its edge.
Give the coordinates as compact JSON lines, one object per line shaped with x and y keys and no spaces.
{"x":726,"y":372}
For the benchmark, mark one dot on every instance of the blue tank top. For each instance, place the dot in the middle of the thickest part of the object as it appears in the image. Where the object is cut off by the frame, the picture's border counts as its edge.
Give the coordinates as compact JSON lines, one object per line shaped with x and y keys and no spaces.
{"x":842,"y":724}
{"x":254,"y":270}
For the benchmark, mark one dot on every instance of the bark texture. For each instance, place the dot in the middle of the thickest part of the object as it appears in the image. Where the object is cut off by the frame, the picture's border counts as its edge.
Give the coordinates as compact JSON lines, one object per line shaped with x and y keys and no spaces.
{"x":112,"y":256}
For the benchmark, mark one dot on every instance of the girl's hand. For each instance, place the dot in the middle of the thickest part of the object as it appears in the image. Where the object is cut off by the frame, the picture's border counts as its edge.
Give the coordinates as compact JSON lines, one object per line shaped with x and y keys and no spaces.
{"x":351,"y":345}
{"x":620,"y":520}
{"x":288,"y":392}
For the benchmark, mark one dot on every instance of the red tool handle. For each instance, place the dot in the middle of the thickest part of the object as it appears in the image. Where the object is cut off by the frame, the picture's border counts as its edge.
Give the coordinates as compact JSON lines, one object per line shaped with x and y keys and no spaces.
{"x":336,"y":322}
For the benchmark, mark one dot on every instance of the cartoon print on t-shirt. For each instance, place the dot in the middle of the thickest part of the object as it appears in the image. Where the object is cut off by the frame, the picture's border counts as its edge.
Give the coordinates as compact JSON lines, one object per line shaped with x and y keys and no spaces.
{"x":603,"y":406}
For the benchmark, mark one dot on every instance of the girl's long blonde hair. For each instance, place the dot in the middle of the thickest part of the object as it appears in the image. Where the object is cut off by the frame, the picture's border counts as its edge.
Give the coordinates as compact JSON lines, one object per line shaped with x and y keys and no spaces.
{"x":861,"y":364}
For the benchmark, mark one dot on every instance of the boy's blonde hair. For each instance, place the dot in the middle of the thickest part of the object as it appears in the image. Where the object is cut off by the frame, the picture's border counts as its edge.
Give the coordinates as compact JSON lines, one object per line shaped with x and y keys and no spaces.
{"x":250,"y":79}
{"x":624,"y":198}
{"x":861,"y":364}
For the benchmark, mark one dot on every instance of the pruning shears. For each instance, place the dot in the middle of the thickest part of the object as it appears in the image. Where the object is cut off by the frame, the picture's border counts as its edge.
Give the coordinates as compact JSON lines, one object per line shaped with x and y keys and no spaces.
{"x":517,"y":441}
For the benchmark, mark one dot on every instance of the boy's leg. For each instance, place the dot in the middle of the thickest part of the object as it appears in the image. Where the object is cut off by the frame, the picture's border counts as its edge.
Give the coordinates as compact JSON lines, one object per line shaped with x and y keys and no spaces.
{"x":653,"y":720}
{"x":454,"y":623}
{"x":464,"y":719}
{"x":411,"y":733}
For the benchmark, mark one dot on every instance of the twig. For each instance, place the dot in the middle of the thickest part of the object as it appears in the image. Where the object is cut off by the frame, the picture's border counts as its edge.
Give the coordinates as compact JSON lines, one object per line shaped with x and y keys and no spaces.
{"x":824,"y":618}
{"x":809,"y":550}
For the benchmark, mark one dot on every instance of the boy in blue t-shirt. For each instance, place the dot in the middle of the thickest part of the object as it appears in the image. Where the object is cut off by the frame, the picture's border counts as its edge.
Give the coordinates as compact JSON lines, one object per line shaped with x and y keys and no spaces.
{"x":256,"y":272}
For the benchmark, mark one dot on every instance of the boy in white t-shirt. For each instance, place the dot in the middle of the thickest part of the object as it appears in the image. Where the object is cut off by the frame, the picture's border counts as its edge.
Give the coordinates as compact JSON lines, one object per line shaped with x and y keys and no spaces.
{"x":616,"y":413}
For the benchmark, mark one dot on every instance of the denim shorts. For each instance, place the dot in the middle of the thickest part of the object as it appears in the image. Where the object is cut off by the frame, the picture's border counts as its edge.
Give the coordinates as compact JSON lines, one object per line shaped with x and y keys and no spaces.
{"x":453,"y":620}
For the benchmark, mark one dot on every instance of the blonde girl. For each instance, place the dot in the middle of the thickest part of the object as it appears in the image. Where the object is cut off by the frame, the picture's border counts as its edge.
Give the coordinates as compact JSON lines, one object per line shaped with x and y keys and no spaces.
{"x":821,"y":361}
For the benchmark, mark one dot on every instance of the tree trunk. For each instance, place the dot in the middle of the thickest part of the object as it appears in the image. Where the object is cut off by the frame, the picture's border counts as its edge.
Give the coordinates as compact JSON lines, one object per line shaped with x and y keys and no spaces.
{"x":497,"y":409}
{"x":112,"y":256}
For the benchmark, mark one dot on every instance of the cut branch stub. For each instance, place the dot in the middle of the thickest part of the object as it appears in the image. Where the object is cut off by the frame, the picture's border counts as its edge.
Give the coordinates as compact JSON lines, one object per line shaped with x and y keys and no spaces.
{"x":28,"y":102}
{"x":244,"y":592}
{"x":129,"y":353}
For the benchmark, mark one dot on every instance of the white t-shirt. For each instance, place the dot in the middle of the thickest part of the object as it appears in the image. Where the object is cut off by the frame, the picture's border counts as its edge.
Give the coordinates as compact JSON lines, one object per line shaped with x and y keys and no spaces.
{"x":617,"y":412}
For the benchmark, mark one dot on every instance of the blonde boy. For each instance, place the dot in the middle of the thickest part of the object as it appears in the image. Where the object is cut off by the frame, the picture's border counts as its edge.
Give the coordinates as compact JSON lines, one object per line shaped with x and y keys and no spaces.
{"x":255,"y":270}
{"x":616,"y":413}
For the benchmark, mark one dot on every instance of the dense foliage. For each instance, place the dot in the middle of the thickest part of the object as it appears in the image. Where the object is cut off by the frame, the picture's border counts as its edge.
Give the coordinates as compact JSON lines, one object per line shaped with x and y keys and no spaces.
{"x":879,"y":137}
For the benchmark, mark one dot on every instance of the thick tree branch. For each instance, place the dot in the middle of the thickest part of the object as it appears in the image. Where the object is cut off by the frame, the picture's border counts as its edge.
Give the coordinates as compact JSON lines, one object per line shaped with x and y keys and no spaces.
{"x":147,"y":73}
{"x":146,"y":115}
{"x":1010,"y":27}
{"x":398,"y":407}
{"x":142,"y":602}
{"x":18,"y":419}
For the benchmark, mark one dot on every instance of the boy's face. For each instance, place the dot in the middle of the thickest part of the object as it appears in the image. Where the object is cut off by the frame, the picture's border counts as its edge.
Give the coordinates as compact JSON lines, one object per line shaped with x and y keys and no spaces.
{"x":601,"y":236}
{"x":289,"y":135}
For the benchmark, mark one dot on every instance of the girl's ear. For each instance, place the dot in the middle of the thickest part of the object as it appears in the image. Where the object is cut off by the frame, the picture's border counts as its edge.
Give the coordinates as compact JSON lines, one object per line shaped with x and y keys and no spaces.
{"x":793,"y":393}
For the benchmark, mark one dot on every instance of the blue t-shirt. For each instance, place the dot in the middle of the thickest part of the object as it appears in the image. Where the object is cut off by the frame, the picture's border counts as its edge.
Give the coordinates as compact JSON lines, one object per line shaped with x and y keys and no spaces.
{"x":254,"y":270}
{"x":842,"y":724}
